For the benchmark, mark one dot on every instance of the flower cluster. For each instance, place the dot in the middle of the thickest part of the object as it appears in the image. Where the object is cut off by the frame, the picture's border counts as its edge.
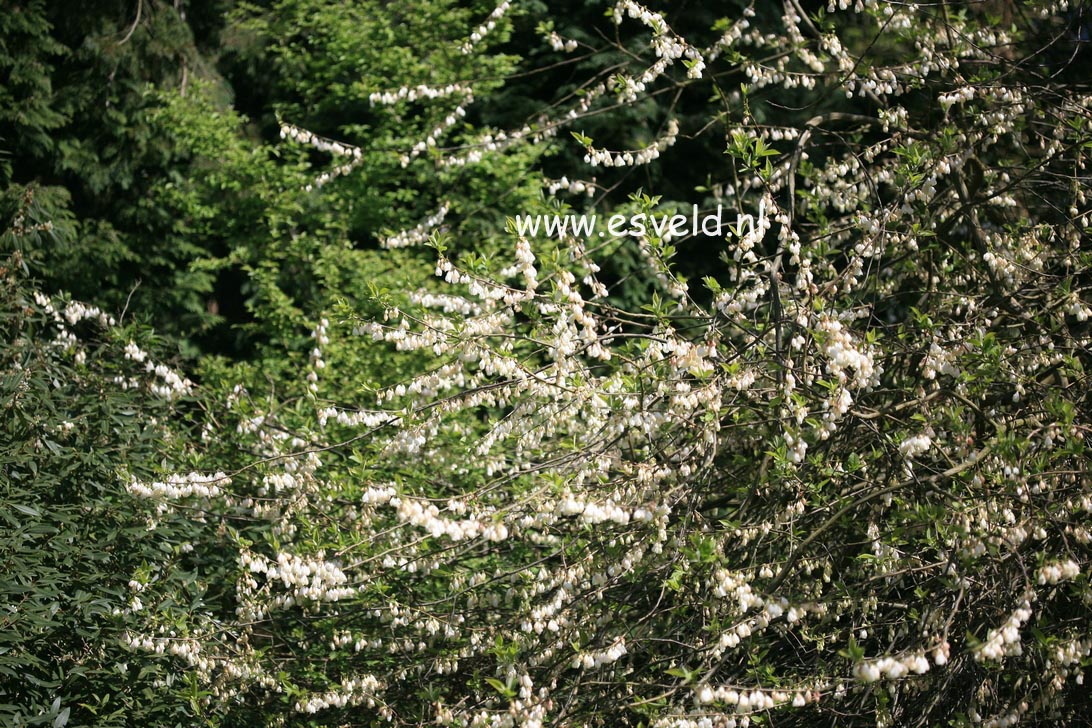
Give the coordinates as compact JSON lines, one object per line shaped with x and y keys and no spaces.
{"x":592,"y":660}
{"x":560,"y":44}
{"x":184,"y":486}
{"x":305,"y":579}
{"x":645,"y":155}
{"x":915,"y":445}
{"x":421,"y":92}
{"x":485,"y":28}
{"x":575,"y":186}
{"x":891,"y":668}
{"x":419,"y":233}
{"x":635,"y":10}
{"x":1059,"y":571}
{"x":352,"y":691}
{"x":1004,"y":640}
{"x":338,"y":149}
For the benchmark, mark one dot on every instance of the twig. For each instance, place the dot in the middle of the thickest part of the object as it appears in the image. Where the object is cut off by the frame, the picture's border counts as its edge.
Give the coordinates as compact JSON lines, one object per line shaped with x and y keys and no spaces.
{"x":139,"y":8}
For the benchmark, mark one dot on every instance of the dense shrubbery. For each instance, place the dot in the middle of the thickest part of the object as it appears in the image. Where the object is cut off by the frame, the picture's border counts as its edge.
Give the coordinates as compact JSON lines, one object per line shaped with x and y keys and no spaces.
{"x":87,"y":565}
{"x":843,"y":479}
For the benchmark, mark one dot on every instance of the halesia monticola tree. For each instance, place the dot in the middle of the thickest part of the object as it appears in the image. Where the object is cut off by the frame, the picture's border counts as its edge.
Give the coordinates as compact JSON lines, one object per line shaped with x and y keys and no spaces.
{"x":827,"y":468}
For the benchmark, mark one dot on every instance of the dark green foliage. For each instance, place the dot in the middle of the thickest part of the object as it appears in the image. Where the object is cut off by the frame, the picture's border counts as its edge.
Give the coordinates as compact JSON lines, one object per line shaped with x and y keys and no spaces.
{"x":79,"y":93}
{"x":72,"y":537}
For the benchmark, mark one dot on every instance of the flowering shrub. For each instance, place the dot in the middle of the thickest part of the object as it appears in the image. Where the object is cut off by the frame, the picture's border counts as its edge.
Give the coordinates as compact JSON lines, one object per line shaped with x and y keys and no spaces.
{"x":86,"y":566}
{"x":845,"y":479}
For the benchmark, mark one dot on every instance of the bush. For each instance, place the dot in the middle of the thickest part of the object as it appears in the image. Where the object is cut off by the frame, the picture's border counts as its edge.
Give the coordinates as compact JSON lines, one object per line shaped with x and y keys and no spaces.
{"x":87,"y":562}
{"x":843,"y":480}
